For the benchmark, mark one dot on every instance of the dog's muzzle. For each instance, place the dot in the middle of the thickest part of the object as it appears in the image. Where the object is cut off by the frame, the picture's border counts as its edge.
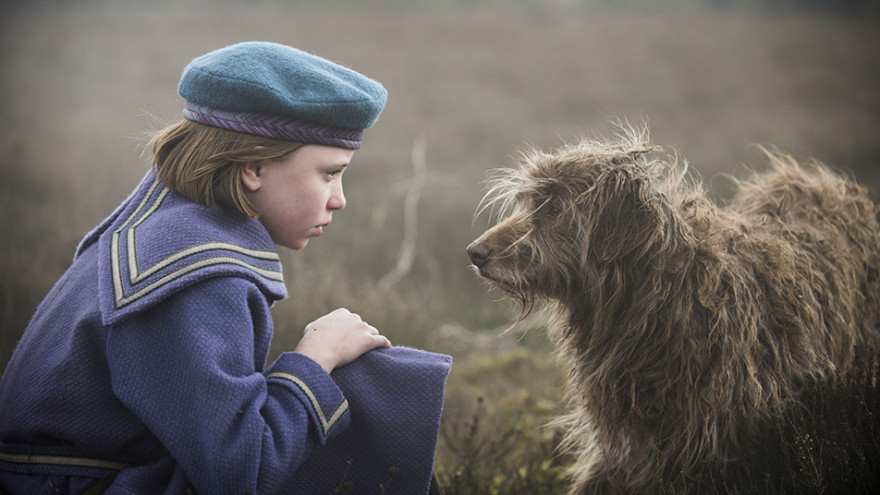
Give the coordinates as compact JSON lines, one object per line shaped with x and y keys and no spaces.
{"x":479,"y":253}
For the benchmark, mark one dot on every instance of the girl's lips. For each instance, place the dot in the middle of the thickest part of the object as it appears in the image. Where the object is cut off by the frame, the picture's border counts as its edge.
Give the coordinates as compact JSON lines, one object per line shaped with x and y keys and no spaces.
{"x":319,"y":229}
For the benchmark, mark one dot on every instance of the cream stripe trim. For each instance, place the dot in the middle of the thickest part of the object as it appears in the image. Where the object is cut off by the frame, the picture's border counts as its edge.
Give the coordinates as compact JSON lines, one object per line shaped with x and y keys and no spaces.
{"x":326,"y":424}
{"x":132,"y":256}
{"x":135,"y":277}
{"x":114,"y":243}
{"x":270,"y":274}
{"x":265,"y":255}
{"x":53,"y":460}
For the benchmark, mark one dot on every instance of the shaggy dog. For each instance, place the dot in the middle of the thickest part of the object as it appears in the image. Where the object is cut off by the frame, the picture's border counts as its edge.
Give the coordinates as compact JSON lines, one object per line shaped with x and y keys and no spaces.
{"x":687,"y":326}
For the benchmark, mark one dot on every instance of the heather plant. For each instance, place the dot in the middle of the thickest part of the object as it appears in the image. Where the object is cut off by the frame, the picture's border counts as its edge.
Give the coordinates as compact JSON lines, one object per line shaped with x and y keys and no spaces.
{"x":496,"y":436}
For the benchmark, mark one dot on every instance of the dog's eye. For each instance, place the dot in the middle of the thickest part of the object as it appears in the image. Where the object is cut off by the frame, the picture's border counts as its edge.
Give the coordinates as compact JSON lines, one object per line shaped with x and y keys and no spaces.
{"x":552,"y":209}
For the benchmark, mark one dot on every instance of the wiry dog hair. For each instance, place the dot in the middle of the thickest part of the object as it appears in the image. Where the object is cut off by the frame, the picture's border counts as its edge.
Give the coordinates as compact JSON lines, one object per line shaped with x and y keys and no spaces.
{"x":684,"y":323}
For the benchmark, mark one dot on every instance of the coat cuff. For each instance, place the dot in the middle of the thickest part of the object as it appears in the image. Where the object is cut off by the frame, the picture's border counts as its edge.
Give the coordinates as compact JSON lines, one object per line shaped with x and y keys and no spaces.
{"x":312,"y":385}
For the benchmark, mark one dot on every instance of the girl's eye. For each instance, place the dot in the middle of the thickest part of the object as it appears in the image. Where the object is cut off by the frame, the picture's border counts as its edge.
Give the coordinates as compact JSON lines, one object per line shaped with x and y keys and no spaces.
{"x":333,"y":173}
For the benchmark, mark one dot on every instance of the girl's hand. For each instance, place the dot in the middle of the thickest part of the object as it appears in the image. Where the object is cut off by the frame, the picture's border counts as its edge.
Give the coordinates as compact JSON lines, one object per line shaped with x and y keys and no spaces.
{"x":339,"y":338}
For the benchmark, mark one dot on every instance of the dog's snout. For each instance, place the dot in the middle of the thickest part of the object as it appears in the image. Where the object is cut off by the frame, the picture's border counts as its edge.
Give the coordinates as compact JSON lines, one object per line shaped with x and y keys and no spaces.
{"x":479,"y":253}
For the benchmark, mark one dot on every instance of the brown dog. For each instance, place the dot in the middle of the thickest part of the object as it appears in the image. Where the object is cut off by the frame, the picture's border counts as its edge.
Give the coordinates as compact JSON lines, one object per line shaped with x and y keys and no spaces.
{"x":685,"y":324}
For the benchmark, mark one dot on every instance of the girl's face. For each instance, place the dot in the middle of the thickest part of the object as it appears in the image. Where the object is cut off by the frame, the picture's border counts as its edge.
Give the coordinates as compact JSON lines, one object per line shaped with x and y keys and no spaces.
{"x":296,"y":195}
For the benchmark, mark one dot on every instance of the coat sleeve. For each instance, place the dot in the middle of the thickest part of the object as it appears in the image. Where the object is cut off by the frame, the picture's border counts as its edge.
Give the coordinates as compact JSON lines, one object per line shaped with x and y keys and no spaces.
{"x":186,"y":368}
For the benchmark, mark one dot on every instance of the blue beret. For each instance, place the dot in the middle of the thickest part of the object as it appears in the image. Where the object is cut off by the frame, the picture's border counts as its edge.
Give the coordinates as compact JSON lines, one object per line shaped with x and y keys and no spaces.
{"x":280,"y":92}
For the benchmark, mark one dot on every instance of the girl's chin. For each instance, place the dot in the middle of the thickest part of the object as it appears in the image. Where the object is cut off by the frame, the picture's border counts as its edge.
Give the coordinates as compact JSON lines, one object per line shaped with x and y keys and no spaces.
{"x":295,"y":245}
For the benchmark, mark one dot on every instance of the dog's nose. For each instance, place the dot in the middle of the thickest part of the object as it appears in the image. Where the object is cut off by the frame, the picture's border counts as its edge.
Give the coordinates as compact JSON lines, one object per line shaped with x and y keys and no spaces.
{"x":479,"y":253}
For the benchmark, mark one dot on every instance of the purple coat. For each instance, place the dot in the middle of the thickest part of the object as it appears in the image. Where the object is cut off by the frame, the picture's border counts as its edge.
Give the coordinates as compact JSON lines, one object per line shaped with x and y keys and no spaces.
{"x":147,"y":362}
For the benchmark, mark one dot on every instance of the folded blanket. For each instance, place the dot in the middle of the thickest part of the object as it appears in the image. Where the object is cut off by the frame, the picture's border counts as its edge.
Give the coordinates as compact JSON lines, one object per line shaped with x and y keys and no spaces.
{"x":396,"y":398}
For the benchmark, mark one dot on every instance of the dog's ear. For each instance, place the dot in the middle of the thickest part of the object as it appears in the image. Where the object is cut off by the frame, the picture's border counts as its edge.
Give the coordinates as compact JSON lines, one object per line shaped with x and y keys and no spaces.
{"x":628,"y":215}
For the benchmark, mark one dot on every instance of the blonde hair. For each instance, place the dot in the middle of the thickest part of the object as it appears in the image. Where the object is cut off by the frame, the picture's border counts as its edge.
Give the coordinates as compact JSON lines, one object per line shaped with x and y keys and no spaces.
{"x":203,"y":163}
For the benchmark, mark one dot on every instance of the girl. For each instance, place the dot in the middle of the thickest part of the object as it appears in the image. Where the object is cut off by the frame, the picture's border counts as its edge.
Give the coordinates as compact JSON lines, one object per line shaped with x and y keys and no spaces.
{"x":143,"y":370}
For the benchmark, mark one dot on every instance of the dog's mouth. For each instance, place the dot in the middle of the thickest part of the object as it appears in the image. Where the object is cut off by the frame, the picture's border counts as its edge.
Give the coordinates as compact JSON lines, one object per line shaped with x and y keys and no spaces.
{"x":484,"y":273}
{"x":497,"y":274}
{"x":504,"y":286}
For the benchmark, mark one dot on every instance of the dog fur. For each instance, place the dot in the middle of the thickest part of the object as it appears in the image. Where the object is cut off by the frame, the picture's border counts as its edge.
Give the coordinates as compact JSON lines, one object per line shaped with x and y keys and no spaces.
{"x":685,"y":324}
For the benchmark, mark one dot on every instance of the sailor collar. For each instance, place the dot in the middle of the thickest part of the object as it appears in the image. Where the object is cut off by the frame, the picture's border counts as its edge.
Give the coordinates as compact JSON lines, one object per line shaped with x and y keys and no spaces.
{"x":158,"y":242}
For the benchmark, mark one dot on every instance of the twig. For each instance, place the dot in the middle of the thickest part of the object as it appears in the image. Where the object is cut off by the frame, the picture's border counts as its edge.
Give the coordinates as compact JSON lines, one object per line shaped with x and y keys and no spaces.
{"x":407,"y":253}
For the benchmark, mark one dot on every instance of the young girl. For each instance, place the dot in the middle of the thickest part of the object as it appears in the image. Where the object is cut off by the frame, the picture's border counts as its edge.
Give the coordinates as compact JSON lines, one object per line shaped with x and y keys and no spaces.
{"x":143,"y":371}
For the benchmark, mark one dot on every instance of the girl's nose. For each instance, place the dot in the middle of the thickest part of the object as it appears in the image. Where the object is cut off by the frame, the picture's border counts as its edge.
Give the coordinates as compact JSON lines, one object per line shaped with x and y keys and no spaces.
{"x":337,"y":199}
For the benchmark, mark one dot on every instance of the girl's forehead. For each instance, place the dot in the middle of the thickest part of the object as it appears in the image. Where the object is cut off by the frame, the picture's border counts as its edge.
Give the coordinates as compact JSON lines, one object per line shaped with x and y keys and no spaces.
{"x":327,"y":154}
{"x":318,"y":156}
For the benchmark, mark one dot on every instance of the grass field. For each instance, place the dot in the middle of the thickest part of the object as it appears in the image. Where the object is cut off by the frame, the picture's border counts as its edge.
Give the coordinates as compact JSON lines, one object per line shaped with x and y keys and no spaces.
{"x":81,"y":87}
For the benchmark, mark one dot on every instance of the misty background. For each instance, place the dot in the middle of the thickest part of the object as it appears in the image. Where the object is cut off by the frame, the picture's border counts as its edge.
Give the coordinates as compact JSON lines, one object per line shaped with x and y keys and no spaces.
{"x":84,"y":83}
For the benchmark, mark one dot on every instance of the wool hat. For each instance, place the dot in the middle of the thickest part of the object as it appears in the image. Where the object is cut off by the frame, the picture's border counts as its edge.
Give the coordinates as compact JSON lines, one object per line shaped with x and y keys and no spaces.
{"x":277,"y":91}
